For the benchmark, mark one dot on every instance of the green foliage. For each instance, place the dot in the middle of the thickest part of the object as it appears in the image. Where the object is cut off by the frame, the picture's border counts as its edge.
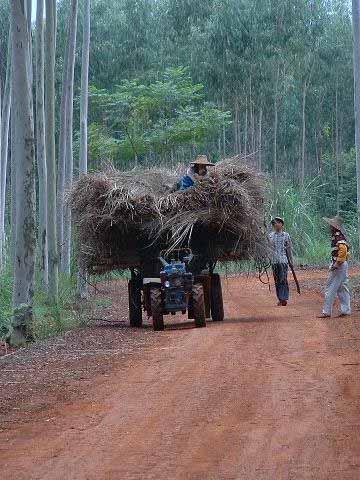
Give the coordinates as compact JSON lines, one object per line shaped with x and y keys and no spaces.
{"x":154,"y":117}
{"x":303,"y":221}
{"x":48,"y":320}
{"x":6,"y":286}
{"x":52,"y":320}
{"x":101,"y":145}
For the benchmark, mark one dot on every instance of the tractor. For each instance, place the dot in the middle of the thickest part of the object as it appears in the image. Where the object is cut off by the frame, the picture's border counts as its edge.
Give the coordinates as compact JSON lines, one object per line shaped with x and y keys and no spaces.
{"x":173,"y":283}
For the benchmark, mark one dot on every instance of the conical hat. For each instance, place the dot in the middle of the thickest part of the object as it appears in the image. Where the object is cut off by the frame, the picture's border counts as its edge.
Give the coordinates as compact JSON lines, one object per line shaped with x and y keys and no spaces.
{"x":202,"y":160}
{"x":336,"y":222}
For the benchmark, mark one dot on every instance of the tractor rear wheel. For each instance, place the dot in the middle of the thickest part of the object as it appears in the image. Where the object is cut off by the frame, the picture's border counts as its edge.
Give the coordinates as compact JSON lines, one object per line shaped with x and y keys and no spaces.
{"x":135,"y":307}
{"x":198,"y":305}
{"x":156,"y":309}
{"x":216,"y":299}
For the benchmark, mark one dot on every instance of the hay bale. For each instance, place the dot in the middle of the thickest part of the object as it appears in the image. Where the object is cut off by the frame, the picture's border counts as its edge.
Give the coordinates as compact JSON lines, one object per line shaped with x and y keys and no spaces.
{"x":119,"y":214}
{"x":110,"y":210}
{"x":223,"y":212}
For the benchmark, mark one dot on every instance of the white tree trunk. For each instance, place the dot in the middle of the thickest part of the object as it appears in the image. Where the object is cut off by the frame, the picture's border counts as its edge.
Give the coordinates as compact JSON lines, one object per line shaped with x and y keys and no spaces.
{"x":13,"y":188}
{"x":66,"y":250}
{"x":83,"y":160}
{"x":4,"y":149}
{"x":260,"y":141}
{"x":62,"y":156}
{"x":1,"y":181}
{"x":40,"y":145}
{"x":356,"y":29}
{"x":276,"y":101}
{"x":24,"y":156}
{"x":50,"y":47}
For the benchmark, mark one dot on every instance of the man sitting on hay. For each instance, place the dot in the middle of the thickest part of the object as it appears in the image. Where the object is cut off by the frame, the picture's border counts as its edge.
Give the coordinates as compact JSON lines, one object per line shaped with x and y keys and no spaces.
{"x":197,"y":169}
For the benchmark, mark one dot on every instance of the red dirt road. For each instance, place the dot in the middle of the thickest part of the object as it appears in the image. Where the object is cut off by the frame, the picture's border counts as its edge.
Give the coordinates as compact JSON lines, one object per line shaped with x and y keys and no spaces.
{"x":270,"y":394}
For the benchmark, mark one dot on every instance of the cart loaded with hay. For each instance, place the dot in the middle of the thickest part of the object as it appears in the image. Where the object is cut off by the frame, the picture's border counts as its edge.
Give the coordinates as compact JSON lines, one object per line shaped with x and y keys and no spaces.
{"x":170,"y":241}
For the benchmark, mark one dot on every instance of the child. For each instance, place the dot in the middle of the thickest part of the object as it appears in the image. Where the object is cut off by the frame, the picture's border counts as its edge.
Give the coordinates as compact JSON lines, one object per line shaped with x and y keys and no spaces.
{"x":282,"y":254}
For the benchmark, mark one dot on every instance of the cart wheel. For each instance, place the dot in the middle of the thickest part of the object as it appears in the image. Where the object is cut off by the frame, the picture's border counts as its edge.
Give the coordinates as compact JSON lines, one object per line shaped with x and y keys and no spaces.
{"x":216,"y":299}
{"x":198,"y":305}
{"x":135,"y":310}
{"x":156,"y":309}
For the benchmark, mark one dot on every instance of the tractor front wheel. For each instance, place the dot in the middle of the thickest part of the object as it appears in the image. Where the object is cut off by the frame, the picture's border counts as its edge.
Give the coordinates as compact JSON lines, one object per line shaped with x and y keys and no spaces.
{"x":156,"y":309}
{"x":198,"y":305}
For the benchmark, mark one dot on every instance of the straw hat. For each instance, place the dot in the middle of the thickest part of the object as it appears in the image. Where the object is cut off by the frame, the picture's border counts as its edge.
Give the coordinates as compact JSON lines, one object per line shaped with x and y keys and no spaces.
{"x":202,"y":160}
{"x":336,"y":222}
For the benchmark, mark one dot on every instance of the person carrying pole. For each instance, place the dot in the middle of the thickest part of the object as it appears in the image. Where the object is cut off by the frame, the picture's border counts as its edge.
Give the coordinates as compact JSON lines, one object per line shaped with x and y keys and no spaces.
{"x":281,"y":257}
{"x":338,"y":280}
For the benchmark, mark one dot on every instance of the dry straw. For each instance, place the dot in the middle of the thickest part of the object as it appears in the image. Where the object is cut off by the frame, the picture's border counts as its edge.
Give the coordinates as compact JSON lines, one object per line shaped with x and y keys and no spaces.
{"x":118,"y":215}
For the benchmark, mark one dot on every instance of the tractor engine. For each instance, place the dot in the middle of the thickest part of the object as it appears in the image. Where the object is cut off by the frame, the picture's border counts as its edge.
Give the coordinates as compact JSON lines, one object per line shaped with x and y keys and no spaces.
{"x":177,"y":285}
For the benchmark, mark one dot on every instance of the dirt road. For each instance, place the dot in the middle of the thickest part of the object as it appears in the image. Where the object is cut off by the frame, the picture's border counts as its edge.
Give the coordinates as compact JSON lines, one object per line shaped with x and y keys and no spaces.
{"x":272,"y":393}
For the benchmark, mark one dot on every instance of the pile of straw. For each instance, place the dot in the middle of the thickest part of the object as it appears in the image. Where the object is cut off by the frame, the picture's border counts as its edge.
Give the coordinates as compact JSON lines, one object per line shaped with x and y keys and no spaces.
{"x":119,"y":214}
{"x":223,"y":213}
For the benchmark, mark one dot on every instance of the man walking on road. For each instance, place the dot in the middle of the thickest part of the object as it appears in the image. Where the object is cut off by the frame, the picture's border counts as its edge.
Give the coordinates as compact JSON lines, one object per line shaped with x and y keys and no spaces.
{"x":282,"y":255}
{"x":337,"y":284}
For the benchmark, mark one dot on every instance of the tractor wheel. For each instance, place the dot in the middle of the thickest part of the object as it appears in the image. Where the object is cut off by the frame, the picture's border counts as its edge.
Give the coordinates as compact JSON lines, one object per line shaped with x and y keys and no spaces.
{"x":190,"y":309}
{"x":198,"y":305}
{"x":156,"y":309}
{"x":216,"y":299}
{"x":135,"y":308}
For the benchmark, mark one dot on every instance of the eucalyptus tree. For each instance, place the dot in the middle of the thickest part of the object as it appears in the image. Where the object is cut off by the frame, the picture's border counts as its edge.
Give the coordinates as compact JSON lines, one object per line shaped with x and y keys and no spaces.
{"x":40,"y":145}
{"x":66,"y":168}
{"x":50,"y":48}
{"x":84,"y":103}
{"x":356,"y":29}
{"x":24,"y":160}
{"x":5,"y":106}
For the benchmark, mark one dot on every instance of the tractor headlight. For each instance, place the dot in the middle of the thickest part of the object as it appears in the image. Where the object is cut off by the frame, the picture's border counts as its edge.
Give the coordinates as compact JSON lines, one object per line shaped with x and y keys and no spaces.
{"x":167,"y":284}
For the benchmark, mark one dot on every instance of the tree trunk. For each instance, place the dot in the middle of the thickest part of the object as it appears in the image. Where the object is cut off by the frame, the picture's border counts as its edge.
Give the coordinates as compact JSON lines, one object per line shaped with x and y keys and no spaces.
{"x":62,"y":153}
{"x":13,"y":187}
{"x":224,"y":129}
{"x":246,"y":129}
{"x":84,"y":91}
{"x":1,"y":182}
{"x":252,"y":119}
{"x":24,"y":157}
{"x":276,"y":125}
{"x":4,"y":150}
{"x":356,"y":33}
{"x":303,"y":139}
{"x":40,"y":145}
{"x":236,"y":121}
{"x":28,"y":18}
{"x":337,"y":151}
{"x":83,"y":160}
{"x":260,"y":140}
{"x":66,"y":250}
{"x":50,"y":42}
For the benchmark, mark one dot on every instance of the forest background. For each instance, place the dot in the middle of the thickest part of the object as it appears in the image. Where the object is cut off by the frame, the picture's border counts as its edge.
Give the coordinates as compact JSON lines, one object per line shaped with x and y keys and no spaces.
{"x":271,"y":80}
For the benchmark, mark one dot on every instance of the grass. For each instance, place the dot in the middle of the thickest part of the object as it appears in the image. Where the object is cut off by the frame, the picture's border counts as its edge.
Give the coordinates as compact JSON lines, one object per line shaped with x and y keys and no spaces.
{"x":49,"y":320}
{"x":6,"y":287}
{"x":303,"y":221}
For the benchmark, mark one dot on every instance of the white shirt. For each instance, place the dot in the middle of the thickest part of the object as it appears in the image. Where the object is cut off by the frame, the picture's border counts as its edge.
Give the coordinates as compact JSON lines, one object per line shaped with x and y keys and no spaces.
{"x":280,"y":242}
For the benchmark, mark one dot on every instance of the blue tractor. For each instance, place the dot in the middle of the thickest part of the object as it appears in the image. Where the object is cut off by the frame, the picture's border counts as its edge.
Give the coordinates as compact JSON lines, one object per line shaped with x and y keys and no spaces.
{"x":176,"y":288}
